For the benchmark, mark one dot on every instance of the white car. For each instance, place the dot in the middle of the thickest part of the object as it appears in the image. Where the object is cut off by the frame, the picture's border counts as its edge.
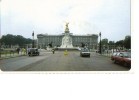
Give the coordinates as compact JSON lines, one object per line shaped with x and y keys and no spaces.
{"x":84,"y":52}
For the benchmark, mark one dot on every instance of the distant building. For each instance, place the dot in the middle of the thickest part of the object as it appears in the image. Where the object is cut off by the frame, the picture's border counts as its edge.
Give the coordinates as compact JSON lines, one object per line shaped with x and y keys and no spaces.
{"x":89,"y":40}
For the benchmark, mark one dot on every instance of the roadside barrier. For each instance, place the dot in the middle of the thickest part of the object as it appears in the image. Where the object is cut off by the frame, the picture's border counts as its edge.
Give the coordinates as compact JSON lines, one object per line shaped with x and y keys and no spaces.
{"x":11,"y":53}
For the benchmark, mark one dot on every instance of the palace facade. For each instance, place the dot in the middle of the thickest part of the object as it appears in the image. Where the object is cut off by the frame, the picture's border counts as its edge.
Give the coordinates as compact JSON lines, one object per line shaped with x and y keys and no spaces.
{"x":90,"y":40}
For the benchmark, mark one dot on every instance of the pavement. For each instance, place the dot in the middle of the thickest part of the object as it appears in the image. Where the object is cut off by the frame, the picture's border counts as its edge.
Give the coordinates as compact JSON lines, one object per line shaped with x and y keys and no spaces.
{"x":6,"y":56}
{"x":19,"y":62}
{"x":105,"y":54}
{"x":73,"y":62}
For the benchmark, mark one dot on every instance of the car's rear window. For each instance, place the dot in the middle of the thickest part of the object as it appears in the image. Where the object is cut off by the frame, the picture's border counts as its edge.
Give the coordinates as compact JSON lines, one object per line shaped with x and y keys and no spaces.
{"x":114,"y":54}
{"x":127,"y":54}
{"x":33,"y":50}
{"x":85,"y":50}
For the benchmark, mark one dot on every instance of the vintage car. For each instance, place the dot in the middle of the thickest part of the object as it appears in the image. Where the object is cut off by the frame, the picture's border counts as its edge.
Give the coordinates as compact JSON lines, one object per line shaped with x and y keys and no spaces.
{"x":84,"y":52}
{"x":33,"y":52}
{"x":123,"y":58}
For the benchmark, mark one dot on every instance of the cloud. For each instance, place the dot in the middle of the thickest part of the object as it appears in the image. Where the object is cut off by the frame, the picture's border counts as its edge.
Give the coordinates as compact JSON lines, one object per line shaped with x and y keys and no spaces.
{"x":50,"y":16}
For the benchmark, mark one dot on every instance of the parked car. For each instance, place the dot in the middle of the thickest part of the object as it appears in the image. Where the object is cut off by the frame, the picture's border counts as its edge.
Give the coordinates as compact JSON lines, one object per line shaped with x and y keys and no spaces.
{"x":123,"y":58}
{"x":84,"y":52}
{"x":33,"y":52}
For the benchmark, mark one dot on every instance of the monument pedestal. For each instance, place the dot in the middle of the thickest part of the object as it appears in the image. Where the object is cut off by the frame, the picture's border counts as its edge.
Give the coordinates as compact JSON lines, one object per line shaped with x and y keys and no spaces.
{"x":69,"y":49}
{"x":67,"y":41}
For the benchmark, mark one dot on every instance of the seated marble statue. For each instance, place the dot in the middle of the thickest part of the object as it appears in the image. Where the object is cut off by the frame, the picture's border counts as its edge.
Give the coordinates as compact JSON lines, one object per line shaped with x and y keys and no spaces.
{"x":67,"y":41}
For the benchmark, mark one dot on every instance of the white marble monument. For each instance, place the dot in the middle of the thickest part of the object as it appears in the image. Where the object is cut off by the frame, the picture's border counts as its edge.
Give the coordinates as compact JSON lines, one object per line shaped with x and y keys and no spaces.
{"x":67,"y":39}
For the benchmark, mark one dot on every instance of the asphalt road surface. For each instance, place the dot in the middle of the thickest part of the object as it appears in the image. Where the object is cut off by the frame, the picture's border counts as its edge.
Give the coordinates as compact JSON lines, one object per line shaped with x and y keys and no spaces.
{"x":60,"y":62}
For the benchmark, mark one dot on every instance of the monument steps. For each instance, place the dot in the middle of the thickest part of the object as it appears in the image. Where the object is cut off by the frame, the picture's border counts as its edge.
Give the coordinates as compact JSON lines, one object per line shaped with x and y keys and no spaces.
{"x":68,"y":49}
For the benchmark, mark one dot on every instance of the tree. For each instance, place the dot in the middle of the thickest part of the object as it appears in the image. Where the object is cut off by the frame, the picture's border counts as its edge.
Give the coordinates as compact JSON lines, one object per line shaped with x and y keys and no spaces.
{"x":104,"y":42}
{"x":111,"y":45}
{"x":10,"y":39}
{"x":127,"y":42}
{"x":0,"y":40}
{"x":20,"y":40}
{"x":111,"y":42}
{"x":120,"y":43}
{"x":0,"y":43}
{"x":28,"y":41}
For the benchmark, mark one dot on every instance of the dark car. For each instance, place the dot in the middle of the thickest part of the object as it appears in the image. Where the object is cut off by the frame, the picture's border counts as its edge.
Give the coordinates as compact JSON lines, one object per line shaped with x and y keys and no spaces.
{"x":84,"y":52}
{"x":33,"y":52}
{"x":123,"y":58}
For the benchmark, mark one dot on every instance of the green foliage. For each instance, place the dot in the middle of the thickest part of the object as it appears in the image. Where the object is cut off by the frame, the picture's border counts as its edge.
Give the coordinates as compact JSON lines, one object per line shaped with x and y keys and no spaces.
{"x":120,"y":43}
{"x":127,"y":42}
{"x":104,"y":42}
{"x":10,"y":39}
{"x":0,"y":40}
{"x":111,"y":42}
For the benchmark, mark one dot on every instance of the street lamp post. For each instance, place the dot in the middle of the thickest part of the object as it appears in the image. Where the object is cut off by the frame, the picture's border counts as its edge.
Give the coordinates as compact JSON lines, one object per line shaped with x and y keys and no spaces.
{"x":0,"y":49}
{"x":100,"y":43}
{"x":33,"y":40}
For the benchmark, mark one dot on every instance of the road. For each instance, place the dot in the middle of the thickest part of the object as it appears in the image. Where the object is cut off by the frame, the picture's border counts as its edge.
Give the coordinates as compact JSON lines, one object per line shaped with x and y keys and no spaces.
{"x":60,"y":62}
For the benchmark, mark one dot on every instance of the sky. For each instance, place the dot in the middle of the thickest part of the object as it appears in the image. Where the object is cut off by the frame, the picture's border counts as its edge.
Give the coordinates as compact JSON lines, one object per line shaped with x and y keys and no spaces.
{"x":110,"y":17}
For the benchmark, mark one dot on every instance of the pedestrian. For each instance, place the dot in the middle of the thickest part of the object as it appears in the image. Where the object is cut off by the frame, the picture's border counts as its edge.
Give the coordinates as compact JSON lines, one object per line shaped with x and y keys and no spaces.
{"x":24,"y":51}
{"x":65,"y":52}
{"x":18,"y":49}
{"x":53,"y":50}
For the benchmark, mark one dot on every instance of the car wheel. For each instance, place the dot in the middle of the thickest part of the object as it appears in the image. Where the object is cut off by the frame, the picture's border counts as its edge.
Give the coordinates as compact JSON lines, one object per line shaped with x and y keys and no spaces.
{"x":115,"y":61}
{"x":125,"y":64}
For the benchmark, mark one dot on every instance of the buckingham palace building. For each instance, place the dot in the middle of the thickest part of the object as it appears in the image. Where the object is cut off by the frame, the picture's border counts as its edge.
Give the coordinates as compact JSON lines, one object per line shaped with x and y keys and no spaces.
{"x":88,"y":40}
